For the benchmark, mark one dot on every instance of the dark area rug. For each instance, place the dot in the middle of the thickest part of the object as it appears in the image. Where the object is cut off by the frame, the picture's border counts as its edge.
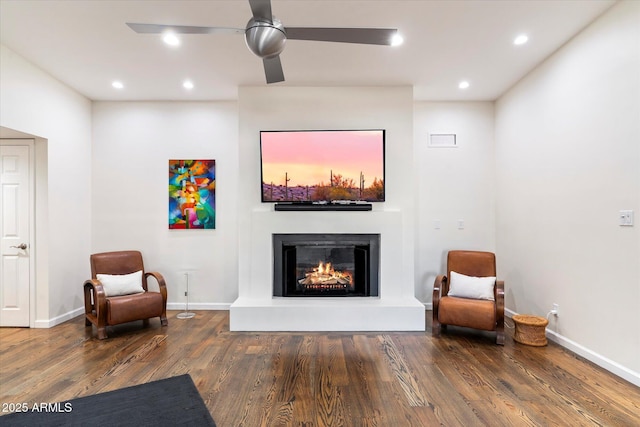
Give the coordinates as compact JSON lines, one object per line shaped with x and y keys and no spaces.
{"x":170,"y":402}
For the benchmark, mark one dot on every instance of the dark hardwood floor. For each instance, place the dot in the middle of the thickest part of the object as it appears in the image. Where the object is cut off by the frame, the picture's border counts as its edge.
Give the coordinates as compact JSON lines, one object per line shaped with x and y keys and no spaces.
{"x":322,"y":379}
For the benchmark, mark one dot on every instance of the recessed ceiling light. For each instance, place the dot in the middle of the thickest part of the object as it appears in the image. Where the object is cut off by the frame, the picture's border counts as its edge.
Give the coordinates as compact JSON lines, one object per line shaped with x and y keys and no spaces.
{"x":117,"y":84}
{"x":521,"y":39}
{"x":463,"y":84}
{"x":397,"y":40}
{"x":187,"y":84}
{"x":171,"y":39}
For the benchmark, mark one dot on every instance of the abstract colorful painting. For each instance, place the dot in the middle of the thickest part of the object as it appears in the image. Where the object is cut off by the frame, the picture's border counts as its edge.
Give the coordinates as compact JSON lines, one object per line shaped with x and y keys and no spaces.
{"x":192,"y":194}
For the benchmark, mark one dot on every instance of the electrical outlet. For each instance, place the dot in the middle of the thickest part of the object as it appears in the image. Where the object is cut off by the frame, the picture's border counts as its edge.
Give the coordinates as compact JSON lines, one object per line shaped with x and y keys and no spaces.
{"x":555,"y":310}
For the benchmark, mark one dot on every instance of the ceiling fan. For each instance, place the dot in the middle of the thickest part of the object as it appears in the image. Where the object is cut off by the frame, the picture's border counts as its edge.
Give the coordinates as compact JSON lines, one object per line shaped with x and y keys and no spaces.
{"x":266,"y":36}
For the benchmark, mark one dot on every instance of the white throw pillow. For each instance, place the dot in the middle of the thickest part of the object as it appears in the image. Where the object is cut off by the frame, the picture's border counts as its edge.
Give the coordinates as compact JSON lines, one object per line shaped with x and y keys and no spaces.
{"x":471,"y":287}
{"x":121,"y":284}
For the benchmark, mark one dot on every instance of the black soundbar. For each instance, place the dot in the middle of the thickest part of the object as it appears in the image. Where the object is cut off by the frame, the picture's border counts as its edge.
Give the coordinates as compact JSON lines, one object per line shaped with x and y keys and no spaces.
{"x":335,"y":206}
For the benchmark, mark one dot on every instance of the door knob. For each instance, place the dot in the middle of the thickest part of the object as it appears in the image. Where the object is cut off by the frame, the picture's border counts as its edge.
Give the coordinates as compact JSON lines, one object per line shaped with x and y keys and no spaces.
{"x":22,"y":246}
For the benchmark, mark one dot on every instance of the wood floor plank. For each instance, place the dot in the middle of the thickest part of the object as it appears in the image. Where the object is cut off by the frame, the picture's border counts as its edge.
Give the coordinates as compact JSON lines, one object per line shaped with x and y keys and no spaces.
{"x":329,"y":380}
{"x":362,"y":396}
{"x":322,"y":379}
{"x":480,"y":392}
{"x":402,"y":372}
{"x":448,"y":407}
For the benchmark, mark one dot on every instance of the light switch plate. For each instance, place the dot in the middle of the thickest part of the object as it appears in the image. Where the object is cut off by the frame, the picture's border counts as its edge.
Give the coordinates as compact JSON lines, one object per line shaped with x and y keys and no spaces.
{"x":626,"y":218}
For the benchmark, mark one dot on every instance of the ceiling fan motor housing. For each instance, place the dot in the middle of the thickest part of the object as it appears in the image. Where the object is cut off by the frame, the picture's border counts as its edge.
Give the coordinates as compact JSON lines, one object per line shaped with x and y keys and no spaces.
{"x":265,"y":39}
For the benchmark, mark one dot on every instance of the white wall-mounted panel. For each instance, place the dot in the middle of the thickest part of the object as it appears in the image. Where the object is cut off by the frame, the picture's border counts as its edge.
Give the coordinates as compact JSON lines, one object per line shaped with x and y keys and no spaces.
{"x":443,"y":140}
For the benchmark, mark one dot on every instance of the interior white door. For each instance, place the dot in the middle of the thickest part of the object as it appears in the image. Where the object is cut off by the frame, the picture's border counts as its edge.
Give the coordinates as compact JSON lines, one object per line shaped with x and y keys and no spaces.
{"x":15,"y":227}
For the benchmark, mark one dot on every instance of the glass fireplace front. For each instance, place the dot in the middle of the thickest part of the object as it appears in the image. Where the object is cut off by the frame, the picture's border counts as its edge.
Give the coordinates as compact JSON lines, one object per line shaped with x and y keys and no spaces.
{"x":326,"y":265}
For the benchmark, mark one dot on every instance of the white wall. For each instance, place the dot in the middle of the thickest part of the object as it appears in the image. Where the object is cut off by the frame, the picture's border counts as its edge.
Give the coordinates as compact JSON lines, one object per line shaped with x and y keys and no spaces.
{"x":34,"y":103}
{"x":132,"y":144}
{"x":568,"y":159}
{"x":452,"y":184}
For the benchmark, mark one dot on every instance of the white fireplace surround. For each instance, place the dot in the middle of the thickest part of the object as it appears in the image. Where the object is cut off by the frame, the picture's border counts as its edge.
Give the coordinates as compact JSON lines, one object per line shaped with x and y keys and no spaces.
{"x":396,"y":309}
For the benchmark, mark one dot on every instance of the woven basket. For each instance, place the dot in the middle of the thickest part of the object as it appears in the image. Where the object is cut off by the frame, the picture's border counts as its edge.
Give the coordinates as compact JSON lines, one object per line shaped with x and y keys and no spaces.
{"x":530,"y":330}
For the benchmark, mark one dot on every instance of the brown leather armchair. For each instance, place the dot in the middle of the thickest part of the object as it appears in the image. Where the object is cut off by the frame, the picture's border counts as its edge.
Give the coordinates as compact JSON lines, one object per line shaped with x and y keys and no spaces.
{"x":472,"y":313}
{"x":102,"y":310}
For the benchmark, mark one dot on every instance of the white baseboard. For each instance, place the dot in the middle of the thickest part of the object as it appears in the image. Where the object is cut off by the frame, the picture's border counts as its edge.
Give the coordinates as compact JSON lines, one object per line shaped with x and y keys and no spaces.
{"x":428,"y":306}
{"x":198,"y":306}
{"x":43,"y":324}
{"x":50,"y":323}
{"x":605,"y":363}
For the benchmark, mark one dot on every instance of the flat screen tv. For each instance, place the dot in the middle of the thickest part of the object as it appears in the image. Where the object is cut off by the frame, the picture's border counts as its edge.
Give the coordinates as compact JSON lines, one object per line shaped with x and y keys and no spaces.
{"x":322,"y":166}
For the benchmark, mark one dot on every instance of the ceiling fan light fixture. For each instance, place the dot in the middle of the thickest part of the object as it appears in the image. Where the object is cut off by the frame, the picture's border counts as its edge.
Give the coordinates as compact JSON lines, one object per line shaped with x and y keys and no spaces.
{"x":265,"y":39}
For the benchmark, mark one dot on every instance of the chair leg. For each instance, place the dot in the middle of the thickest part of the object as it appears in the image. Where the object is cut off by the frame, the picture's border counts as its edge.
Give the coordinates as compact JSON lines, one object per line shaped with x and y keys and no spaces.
{"x":102,"y":333}
{"x":435,"y":327}
{"x":500,"y":335}
{"x":164,"y":321}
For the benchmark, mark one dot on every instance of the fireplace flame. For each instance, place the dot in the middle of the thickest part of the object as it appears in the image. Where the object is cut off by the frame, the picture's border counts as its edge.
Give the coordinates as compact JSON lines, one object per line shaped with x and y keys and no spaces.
{"x":325,"y":274}
{"x":325,"y":269}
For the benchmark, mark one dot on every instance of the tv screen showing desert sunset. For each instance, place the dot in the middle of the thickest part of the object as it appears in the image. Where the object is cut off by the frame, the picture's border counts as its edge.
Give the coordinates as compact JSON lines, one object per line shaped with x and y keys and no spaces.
{"x":322,"y":165}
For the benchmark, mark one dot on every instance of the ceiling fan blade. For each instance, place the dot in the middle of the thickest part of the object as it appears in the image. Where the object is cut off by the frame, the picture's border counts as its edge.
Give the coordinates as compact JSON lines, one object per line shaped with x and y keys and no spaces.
{"x":180,"y":29}
{"x":261,"y":9}
{"x":379,"y":36}
{"x":273,"y":69}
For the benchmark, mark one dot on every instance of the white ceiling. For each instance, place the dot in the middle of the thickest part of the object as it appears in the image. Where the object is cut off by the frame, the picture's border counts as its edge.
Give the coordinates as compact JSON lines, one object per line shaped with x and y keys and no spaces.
{"x":87,"y":45}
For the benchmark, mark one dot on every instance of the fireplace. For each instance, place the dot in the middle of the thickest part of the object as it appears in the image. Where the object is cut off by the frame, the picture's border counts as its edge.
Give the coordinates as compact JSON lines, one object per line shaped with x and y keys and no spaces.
{"x":326,"y":265}
{"x":392,"y":306}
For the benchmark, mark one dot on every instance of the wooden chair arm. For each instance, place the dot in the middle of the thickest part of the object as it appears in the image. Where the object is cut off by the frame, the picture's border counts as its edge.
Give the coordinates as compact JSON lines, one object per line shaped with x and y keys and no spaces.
{"x":439,"y":285}
{"x":95,"y":288}
{"x":162,"y":285}
{"x":95,"y":299}
{"x":499,"y":290}
{"x":499,"y":296}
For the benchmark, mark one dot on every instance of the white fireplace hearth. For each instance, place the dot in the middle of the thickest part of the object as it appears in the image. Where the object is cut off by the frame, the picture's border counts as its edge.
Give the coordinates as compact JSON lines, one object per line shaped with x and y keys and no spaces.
{"x":395,"y":309}
{"x":327,"y":314}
